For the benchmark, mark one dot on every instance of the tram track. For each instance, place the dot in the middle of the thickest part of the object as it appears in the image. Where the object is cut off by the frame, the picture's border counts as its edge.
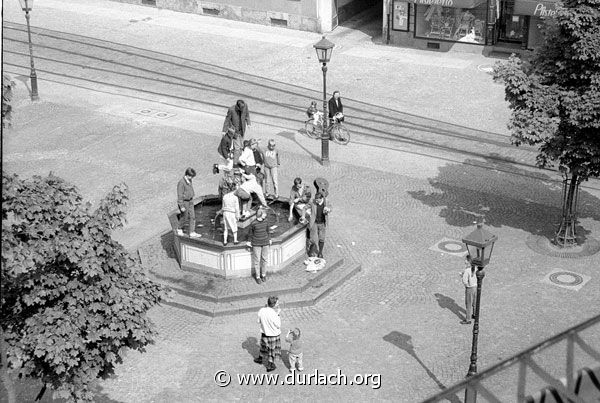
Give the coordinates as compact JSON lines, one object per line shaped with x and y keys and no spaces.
{"x":188,"y":83}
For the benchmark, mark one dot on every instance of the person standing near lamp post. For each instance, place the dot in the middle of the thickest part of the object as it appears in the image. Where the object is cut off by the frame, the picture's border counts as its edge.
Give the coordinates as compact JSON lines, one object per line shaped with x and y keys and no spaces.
{"x":469,"y":280}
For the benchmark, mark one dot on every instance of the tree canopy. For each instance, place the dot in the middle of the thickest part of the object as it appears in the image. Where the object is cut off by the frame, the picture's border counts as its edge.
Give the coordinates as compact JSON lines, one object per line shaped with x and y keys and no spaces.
{"x":555,"y":96}
{"x":73,"y":299}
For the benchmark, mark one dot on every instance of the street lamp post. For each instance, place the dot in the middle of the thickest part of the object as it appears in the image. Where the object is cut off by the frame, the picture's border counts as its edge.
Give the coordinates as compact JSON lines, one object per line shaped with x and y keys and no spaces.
{"x":27,"y":6}
{"x":324,"y":50}
{"x":480,"y":244}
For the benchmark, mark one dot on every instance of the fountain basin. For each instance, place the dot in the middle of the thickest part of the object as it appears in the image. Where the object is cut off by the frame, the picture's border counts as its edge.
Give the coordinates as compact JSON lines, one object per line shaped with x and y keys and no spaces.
{"x":208,"y":254}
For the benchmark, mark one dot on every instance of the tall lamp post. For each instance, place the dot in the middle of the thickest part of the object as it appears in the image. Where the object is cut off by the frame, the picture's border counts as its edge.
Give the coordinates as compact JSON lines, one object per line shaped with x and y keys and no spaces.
{"x":27,"y":6}
{"x":480,"y":244}
{"x":324,"y":50}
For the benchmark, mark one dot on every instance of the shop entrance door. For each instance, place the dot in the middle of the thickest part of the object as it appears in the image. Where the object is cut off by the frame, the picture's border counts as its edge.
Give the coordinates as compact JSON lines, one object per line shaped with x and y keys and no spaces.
{"x":511,"y":27}
{"x":334,"y":14}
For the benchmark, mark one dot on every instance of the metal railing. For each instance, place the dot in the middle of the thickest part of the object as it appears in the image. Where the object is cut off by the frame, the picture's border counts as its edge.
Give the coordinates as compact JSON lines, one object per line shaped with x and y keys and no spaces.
{"x":550,"y":367}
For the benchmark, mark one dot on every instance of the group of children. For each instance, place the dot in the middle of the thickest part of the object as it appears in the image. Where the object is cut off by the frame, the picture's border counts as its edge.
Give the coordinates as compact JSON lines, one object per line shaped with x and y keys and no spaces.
{"x":252,"y":160}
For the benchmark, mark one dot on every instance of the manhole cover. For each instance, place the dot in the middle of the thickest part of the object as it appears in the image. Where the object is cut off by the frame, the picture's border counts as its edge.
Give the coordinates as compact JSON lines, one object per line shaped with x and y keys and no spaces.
{"x":450,"y":246}
{"x":566,"y":278}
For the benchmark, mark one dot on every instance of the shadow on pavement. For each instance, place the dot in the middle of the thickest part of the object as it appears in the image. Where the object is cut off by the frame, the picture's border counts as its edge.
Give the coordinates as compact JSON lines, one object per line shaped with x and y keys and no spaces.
{"x":503,"y":195}
{"x":403,"y":342}
{"x":168,"y":244}
{"x":285,"y":358}
{"x":450,"y":304}
{"x":252,"y":347}
{"x":292,"y":136}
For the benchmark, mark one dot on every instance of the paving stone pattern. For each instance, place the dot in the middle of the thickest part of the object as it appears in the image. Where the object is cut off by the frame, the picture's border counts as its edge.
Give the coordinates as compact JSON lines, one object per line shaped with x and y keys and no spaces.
{"x":429,"y":156}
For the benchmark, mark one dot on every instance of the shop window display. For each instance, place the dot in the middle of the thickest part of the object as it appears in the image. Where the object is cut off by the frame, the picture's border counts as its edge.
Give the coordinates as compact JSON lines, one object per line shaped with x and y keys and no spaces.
{"x":452,"y":24}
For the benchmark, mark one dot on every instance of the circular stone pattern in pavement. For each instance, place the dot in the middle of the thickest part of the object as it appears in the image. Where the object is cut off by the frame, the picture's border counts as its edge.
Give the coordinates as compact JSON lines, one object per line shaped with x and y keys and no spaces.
{"x":566,"y":278}
{"x":452,"y":247}
{"x":544,"y":246}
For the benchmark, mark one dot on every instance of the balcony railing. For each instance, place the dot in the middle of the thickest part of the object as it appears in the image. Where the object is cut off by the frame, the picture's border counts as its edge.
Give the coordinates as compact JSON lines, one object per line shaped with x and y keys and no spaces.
{"x":565,"y":367}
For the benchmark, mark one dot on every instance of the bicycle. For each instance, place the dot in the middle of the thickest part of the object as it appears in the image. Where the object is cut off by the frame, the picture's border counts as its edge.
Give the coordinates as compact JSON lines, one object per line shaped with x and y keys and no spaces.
{"x":336,"y":130}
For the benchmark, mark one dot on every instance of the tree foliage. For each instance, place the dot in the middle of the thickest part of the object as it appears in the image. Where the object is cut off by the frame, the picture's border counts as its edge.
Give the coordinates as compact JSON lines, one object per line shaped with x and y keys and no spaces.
{"x":73,"y":299}
{"x":555,"y":96}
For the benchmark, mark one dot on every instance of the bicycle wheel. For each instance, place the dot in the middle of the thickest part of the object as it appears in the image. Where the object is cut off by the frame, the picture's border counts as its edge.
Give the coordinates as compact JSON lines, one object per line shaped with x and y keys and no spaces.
{"x":341,"y":135}
{"x":311,"y":129}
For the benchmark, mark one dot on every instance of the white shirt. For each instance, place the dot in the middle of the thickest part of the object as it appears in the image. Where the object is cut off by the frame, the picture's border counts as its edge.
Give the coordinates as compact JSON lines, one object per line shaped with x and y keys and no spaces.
{"x":252,"y":186}
{"x":247,"y":157}
{"x":231,"y":203}
{"x":469,"y":278}
{"x":270,"y":322}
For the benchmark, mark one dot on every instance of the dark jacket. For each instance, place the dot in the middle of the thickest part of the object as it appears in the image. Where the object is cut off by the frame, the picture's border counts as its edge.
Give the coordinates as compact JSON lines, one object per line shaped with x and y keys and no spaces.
{"x":259,"y":233}
{"x":238,"y":119}
{"x":259,"y":157}
{"x":334,"y":108}
{"x":185,"y":192}
{"x":312,"y":225}
{"x":225,"y":147}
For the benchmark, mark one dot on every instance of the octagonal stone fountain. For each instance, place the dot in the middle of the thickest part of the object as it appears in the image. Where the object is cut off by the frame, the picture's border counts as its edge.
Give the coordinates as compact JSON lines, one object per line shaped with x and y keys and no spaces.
{"x":208,"y":254}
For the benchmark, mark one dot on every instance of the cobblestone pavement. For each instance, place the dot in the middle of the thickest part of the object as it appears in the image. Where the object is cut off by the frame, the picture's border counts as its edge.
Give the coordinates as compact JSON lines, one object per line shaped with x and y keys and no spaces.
{"x":404,"y":183}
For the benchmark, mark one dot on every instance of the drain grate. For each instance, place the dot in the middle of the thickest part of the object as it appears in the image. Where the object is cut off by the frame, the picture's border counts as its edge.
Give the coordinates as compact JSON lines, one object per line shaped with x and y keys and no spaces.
{"x":154,"y":113}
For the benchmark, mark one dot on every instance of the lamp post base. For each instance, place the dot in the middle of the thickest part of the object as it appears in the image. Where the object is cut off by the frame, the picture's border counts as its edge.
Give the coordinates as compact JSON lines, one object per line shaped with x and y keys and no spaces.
{"x":34,"y":87}
{"x":470,"y":395}
{"x":325,"y":162}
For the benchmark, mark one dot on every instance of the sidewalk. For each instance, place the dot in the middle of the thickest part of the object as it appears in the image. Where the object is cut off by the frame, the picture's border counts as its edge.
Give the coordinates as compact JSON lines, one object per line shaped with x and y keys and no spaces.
{"x":393,"y":201}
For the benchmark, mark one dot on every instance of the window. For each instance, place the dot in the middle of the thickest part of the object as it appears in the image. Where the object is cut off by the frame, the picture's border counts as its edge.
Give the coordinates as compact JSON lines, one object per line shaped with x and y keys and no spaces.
{"x":452,"y":23}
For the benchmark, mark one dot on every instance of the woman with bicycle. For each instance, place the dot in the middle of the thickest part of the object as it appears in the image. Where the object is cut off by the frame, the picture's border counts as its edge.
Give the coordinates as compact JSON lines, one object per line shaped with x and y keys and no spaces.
{"x":335,"y":129}
{"x":335,"y":107}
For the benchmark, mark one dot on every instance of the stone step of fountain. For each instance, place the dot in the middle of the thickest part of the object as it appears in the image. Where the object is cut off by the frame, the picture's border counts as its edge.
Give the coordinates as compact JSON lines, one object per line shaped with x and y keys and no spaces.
{"x":321,"y":284}
{"x":292,"y":279}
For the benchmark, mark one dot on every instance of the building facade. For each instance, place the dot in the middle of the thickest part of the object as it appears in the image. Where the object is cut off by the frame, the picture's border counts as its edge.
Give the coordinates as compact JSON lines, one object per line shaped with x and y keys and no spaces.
{"x":307,"y":15}
{"x":468,"y":25}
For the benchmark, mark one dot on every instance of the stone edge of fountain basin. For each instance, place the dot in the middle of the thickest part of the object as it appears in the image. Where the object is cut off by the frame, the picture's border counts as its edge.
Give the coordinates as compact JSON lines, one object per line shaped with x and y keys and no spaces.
{"x":232,"y":261}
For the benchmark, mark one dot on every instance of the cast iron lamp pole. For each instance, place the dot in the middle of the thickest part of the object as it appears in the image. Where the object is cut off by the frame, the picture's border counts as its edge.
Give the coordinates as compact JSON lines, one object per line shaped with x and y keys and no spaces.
{"x":324,"y":49}
{"x":480,"y":244}
{"x":27,"y":5}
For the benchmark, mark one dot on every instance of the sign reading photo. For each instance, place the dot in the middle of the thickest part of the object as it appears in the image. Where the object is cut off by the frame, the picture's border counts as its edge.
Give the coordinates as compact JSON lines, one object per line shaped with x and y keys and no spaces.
{"x":400,"y":16}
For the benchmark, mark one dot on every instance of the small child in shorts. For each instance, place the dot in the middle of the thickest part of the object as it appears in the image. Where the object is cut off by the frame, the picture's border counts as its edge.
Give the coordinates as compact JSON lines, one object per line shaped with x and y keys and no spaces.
{"x":295,"y":351}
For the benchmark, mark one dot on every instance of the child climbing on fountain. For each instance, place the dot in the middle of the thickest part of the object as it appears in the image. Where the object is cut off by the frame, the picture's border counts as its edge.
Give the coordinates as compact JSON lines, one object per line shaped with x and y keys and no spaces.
{"x":231,"y":214}
{"x":245,"y":192}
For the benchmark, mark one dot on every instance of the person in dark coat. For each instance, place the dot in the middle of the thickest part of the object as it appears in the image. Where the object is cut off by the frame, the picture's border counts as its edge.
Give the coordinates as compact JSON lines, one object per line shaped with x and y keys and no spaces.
{"x":238,"y":117}
{"x":259,"y":239}
{"x":318,"y":222}
{"x":227,"y":150}
{"x":335,"y":105}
